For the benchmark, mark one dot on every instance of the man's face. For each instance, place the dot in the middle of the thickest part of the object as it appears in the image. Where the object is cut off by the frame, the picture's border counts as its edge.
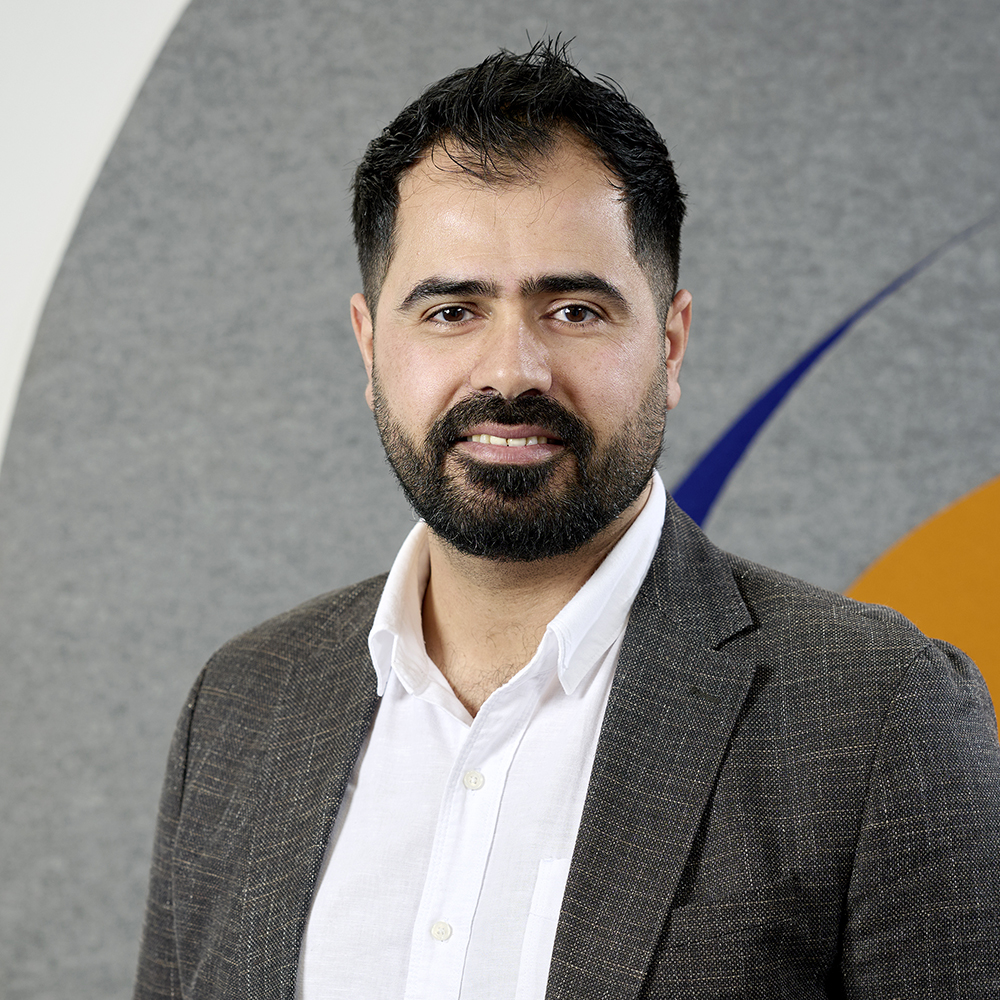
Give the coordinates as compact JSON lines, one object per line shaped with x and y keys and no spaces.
{"x":517,"y":371}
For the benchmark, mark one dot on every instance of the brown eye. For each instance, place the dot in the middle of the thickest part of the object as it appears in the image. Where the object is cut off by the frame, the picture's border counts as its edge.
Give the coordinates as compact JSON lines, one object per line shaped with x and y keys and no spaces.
{"x":451,"y":314}
{"x":576,"y":313}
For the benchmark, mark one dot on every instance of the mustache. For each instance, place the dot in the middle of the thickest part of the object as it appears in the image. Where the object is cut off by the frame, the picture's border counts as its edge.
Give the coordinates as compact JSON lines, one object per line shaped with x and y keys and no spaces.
{"x":539,"y":411}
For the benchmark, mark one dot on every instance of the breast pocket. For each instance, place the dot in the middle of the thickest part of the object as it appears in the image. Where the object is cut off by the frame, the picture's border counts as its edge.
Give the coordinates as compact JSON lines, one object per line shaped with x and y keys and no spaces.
{"x":540,"y":930}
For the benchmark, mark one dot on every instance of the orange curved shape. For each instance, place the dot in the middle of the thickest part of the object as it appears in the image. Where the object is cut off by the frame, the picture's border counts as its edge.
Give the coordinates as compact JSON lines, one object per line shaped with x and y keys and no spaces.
{"x":945,"y":577}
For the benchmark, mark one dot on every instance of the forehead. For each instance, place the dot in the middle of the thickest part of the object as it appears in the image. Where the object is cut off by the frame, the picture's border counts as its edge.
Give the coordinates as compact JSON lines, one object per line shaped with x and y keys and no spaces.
{"x":565,"y":209}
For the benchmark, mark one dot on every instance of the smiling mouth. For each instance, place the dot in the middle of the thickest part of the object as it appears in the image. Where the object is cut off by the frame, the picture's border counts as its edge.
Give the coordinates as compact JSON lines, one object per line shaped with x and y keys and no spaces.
{"x":504,"y":442}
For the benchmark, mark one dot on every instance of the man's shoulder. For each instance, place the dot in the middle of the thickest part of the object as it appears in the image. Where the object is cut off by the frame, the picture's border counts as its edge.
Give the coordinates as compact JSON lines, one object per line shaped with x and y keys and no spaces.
{"x":768,"y":613}
{"x":327,"y":629}
{"x":779,"y":601}
{"x":806,"y":631}
{"x":331,"y":618}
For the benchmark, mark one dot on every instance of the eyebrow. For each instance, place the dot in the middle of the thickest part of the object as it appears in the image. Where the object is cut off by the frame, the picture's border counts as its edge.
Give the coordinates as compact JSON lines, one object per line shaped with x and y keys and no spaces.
{"x":568,"y":284}
{"x":434,"y":288}
{"x":557,"y":284}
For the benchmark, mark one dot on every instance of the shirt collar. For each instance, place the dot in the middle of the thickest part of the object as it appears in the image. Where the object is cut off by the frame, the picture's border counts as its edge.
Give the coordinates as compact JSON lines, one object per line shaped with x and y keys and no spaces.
{"x":583,"y":631}
{"x":595,"y":617}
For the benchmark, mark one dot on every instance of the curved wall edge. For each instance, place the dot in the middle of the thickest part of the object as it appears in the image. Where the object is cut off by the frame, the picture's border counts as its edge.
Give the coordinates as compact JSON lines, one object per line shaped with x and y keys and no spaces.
{"x":69,"y":76}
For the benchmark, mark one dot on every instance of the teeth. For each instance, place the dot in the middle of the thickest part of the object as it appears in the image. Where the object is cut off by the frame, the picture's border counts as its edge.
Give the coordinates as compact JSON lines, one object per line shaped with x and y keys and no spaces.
{"x":507,"y":442}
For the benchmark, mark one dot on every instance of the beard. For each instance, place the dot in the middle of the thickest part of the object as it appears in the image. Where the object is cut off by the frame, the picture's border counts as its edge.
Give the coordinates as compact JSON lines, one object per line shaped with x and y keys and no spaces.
{"x":522,"y":513}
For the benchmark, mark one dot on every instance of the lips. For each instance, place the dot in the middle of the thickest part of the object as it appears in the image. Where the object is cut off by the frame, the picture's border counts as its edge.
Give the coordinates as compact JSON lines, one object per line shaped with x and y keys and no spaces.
{"x":494,"y":429}
{"x":511,"y":435}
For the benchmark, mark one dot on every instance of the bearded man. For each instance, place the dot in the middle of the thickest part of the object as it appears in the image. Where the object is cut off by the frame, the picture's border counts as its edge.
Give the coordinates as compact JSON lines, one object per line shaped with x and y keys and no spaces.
{"x":566,"y":748}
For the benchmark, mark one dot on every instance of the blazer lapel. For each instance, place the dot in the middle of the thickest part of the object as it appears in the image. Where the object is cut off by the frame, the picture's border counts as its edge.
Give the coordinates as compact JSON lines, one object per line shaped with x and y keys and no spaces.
{"x":673,"y":705}
{"x":324,"y":715}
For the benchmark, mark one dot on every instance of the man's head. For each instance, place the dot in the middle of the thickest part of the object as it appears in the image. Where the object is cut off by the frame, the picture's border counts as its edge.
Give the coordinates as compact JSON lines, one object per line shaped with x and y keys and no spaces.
{"x":522,"y":361}
{"x":497,"y":120}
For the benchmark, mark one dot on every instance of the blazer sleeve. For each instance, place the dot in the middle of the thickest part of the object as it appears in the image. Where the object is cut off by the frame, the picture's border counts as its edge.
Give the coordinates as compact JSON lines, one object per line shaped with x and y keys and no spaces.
{"x":158,"y":974}
{"x":923,"y":907}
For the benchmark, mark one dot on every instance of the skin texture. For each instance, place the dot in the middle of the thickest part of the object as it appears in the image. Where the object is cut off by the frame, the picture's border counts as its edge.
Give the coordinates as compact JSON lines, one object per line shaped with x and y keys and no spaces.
{"x":525,"y":288}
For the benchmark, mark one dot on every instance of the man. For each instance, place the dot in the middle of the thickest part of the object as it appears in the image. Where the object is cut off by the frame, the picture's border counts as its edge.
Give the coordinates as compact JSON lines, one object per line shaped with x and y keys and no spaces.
{"x":567,"y":748}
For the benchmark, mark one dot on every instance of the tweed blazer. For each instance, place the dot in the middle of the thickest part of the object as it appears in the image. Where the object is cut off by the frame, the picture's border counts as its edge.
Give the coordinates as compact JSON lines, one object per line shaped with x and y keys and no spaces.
{"x":794,"y":796}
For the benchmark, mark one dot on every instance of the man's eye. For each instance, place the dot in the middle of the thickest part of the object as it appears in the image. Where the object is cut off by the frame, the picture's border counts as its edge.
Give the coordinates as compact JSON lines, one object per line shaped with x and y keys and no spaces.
{"x":451,"y":314}
{"x":576,"y":313}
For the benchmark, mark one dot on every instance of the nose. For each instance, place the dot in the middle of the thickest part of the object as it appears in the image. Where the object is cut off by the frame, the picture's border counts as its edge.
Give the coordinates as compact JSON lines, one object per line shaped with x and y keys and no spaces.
{"x":513,"y":361}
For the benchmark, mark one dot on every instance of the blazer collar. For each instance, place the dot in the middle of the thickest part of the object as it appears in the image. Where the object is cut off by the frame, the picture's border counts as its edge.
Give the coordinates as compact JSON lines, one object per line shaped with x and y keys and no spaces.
{"x":673,"y":705}
{"x":690,"y":586}
{"x":321,"y":722}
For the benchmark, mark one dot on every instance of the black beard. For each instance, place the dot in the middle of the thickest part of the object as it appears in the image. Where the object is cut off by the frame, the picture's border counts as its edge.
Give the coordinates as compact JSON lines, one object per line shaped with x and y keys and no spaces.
{"x":516,"y":513}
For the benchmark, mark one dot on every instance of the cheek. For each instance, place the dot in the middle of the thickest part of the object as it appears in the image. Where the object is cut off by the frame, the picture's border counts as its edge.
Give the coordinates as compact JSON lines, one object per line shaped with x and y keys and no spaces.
{"x":418,"y":383}
{"x":606,"y":385}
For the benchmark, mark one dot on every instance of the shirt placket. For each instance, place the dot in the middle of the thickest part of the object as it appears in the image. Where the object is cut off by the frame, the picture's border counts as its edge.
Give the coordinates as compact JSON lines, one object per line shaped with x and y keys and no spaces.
{"x":464,"y":839}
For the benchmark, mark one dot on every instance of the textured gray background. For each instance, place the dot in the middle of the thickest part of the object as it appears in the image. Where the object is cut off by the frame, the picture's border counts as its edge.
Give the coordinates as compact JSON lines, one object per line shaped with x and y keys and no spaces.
{"x":191,"y":451}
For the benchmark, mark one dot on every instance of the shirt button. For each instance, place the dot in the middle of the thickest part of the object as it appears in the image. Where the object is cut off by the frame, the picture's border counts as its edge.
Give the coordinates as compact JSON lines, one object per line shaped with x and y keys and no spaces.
{"x":473,"y":780}
{"x":441,"y":931}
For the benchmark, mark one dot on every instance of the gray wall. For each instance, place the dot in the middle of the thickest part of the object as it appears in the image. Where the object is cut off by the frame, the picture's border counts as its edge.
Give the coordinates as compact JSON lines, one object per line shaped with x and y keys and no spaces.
{"x":191,"y":450}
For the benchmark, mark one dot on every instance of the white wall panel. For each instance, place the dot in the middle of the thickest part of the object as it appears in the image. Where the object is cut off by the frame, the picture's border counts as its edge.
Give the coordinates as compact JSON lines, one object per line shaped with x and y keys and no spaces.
{"x":69,"y":72}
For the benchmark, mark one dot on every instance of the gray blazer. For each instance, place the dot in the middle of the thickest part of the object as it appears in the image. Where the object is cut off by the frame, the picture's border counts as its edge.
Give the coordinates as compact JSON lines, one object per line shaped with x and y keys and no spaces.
{"x":794,"y":796}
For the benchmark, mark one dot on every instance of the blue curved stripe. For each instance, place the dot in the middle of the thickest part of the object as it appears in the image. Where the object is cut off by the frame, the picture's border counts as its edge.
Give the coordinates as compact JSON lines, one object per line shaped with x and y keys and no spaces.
{"x":697,"y":492}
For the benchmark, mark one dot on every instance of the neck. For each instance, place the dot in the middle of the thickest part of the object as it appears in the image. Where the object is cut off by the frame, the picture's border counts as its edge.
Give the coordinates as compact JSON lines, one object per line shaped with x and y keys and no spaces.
{"x":483,"y":619}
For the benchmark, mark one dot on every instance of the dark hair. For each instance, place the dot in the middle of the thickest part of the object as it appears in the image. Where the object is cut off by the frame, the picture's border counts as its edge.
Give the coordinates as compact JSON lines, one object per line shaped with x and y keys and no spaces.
{"x":495,"y":121}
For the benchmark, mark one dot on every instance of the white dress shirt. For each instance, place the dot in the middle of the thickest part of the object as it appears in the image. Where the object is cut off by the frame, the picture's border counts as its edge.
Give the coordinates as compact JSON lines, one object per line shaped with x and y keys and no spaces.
{"x":446,"y":867}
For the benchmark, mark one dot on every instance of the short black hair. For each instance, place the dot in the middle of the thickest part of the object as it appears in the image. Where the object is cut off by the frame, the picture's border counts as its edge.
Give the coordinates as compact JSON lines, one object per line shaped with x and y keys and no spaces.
{"x":495,"y":121}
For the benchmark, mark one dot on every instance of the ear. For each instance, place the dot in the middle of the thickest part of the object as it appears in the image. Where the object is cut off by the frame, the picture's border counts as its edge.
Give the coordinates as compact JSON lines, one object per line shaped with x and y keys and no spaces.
{"x":364,"y":334}
{"x":676,"y":334}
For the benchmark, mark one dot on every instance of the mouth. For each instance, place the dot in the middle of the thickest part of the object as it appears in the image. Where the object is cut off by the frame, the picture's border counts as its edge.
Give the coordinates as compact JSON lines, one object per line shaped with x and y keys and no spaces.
{"x":505,"y":442}
{"x":520,"y":443}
